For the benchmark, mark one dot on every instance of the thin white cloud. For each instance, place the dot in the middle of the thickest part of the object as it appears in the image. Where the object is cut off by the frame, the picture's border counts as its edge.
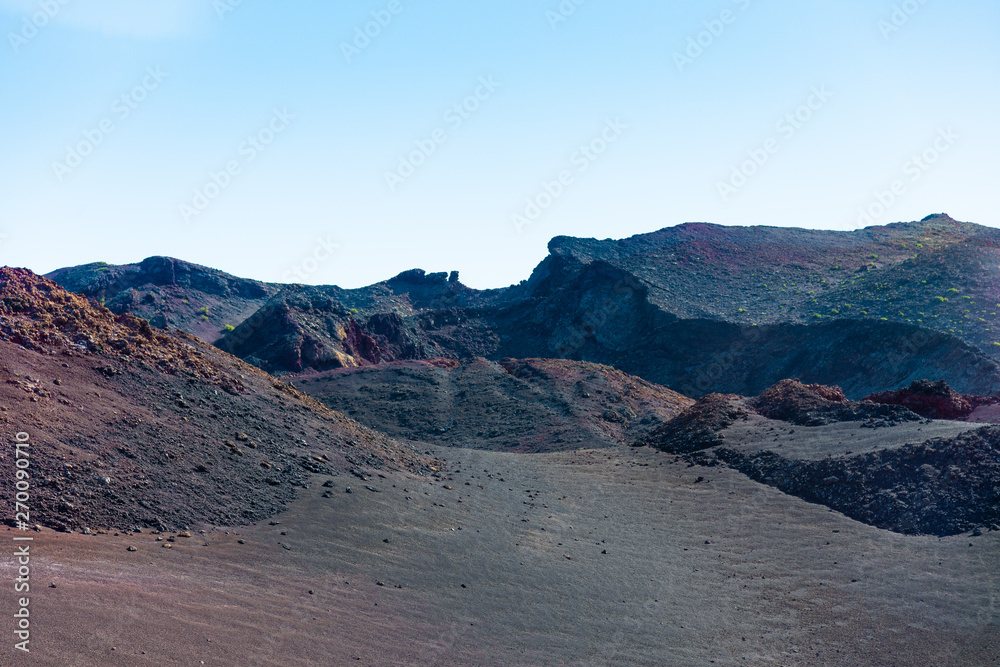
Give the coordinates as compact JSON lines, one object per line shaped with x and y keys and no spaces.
{"x":143,"y":19}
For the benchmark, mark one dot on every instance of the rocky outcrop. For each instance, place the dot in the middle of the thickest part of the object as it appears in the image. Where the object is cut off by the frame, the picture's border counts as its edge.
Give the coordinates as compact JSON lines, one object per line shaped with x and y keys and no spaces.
{"x":939,"y":487}
{"x":815,"y":405}
{"x":699,"y":427}
{"x":934,"y":400}
{"x":699,"y":308}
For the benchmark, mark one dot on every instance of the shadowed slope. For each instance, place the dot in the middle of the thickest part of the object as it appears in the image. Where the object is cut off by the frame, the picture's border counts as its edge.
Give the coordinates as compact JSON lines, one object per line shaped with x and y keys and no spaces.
{"x":530,"y":405}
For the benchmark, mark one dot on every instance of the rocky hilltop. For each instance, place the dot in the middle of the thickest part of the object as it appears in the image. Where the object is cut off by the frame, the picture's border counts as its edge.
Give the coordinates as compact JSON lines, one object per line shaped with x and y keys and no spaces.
{"x":698,"y":308}
{"x":170,"y":293}
{"x":937,"y":272}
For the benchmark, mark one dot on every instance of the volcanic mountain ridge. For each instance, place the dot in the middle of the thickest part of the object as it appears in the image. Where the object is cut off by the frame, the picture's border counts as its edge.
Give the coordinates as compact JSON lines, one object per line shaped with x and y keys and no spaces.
{"x":697,"y":308}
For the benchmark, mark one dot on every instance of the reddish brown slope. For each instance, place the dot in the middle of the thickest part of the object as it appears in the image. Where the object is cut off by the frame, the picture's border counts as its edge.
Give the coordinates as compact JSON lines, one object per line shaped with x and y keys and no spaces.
{"x":133,"y":427}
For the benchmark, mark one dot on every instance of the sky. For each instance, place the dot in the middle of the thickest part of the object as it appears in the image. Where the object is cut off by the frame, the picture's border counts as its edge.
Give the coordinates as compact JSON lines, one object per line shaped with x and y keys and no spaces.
{"x":343,"y":143}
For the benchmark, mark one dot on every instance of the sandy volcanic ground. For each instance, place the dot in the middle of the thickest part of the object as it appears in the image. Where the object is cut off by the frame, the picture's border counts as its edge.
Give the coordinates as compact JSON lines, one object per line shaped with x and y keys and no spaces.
{"x":813,"y":443}
{"x":510,"y":570}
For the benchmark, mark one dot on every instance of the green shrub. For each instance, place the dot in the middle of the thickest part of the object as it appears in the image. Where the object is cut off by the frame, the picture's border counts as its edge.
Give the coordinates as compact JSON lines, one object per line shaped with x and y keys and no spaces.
{"x":228,"y":328}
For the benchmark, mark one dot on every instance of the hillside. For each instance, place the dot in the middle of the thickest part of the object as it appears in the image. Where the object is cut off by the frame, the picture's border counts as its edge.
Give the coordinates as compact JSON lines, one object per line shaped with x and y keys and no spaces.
{"x":170,"y":293}
{"x":762,"y":275}
{"x":132,"y":427}
{"x":411,"y":316}
{"x":531,"y":405}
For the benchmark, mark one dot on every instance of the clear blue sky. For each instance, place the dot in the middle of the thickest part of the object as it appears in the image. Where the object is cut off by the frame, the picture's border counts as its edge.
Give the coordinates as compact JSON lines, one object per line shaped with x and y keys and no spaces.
{"x":664,"y":123}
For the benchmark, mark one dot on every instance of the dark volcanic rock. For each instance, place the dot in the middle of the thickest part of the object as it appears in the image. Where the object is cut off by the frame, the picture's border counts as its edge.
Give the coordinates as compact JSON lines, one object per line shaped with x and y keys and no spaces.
{"x":170,"y":293}
{"x":934,"y":400}
{"x":814,"y":405}
{"x":698,"y":308}
{"x":940,"y":487}
{"x":699,"y":426}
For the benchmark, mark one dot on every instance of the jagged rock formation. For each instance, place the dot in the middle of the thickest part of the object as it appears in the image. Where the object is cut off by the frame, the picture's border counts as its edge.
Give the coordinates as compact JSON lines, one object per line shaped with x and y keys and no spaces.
{"x":906,"y":482}
{"x":935,"y":400}
{"x":170,"y":293}
{"x":698,"y":308}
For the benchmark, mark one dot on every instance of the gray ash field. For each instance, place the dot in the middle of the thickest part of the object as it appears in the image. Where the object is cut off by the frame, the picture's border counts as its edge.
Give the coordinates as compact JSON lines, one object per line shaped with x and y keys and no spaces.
{"x":593,"y":557}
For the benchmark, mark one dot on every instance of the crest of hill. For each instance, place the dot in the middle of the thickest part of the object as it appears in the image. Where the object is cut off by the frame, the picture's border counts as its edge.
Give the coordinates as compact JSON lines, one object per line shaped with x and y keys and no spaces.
{"x":691,"y":307}
{"x":39,"y":315}
{"x":132,"y":427}
{"x":170,"y":293}
{"x":413,"y":315}
{"x":938,"y":272}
